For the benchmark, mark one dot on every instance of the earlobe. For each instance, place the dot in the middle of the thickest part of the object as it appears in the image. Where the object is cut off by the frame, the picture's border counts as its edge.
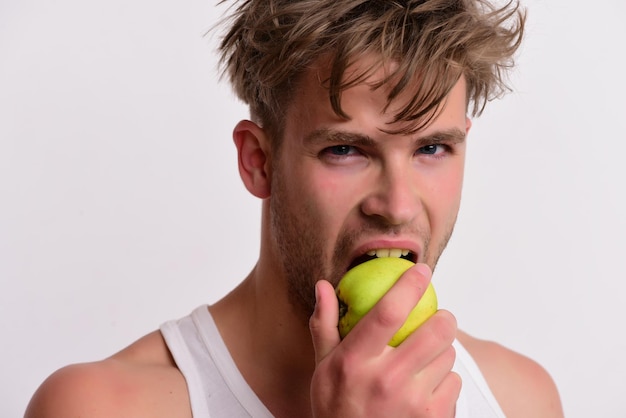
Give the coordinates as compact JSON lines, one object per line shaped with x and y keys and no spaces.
{"x":468,"y":125}
{"x":253,"y":157}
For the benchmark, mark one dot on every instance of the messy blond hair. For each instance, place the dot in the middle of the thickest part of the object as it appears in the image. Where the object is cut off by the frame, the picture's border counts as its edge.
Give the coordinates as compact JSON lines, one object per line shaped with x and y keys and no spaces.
{"x":271,"y":43}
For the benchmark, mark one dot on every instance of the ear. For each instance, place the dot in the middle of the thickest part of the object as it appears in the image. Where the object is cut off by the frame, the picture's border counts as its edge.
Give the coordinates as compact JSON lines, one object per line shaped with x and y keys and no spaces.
{"x":253,"y":155}
{"x":468,"y":125}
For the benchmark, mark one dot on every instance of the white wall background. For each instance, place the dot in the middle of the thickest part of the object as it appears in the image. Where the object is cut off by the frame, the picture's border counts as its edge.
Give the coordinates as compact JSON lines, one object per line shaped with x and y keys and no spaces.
{"x":120,"y":204}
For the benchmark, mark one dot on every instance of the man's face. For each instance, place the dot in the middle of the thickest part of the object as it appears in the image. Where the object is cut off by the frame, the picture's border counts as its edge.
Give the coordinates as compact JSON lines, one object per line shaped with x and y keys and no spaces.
{"x":344,"y":188}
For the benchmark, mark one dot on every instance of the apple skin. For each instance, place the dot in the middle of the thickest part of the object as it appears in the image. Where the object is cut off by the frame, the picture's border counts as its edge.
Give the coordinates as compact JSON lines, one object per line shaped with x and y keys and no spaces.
{"x":363,"y":286}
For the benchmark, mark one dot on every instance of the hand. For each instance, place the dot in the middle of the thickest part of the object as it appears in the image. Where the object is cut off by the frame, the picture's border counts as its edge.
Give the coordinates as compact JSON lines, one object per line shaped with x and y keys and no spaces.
{"x":362,"y":376}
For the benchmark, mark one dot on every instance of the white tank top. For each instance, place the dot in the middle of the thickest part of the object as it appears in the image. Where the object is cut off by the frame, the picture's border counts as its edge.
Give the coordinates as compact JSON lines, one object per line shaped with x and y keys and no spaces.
{"x":217,"y":389}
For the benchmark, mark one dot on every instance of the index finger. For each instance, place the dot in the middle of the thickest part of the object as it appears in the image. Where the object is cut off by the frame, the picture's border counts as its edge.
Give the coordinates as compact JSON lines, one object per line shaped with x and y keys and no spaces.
{"x":373,"y":332}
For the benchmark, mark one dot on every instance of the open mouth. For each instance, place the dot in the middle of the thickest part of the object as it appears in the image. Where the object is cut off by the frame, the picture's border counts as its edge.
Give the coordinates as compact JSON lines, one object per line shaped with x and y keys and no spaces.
{"x":384,"y":252}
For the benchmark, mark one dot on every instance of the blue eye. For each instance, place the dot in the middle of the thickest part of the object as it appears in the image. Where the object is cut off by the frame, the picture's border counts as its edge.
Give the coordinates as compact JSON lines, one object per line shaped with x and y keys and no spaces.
{"x":436,"y":150}
{"x":340,"y":150}
{"x":429,"y":149}
{"x":341,"y":154}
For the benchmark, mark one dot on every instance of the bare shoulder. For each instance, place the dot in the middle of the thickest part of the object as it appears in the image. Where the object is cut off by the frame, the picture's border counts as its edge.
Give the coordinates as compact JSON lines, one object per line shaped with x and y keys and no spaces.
{"x":139,"y":381}
{"x":522,"y":386}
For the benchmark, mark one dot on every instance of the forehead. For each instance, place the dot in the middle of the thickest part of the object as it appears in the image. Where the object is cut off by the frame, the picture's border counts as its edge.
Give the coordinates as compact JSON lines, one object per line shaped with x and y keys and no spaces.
{"x":369,"y":85}
{"x":367,"y":72}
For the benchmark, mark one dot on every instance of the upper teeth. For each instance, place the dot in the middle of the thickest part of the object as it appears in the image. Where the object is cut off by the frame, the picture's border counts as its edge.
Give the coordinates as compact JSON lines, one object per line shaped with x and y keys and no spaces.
{"x":388,"y":252}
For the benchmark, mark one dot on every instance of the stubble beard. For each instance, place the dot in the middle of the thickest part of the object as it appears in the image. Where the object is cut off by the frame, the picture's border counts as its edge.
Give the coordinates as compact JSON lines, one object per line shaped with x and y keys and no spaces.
{"x":301,"y":248}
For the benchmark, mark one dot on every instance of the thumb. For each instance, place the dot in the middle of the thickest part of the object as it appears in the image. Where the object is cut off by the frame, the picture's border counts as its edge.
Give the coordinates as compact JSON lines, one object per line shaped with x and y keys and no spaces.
{"x":323,"y":322}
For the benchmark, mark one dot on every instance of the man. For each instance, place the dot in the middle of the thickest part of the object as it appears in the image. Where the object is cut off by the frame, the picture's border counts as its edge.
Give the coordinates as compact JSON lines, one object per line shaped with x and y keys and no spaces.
{"x":356,"y":146}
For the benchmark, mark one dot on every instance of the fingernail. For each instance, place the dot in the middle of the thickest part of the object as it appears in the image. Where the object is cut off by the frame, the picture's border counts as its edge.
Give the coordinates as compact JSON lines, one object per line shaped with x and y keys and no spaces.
{"x":316,"y":293}
{"x":423,"y":269}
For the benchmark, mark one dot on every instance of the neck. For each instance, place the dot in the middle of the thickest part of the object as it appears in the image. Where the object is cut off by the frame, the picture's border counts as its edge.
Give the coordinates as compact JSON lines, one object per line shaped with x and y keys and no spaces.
{"x":268,"y":340}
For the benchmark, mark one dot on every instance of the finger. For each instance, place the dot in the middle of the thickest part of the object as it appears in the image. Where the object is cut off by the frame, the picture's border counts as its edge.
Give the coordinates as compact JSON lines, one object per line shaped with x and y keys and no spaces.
{"x":428,"y":341}
{"x":434,"y":373}
{"x":447,"y":394}
{"x":323,"y":322}
{"x":374,"y":331}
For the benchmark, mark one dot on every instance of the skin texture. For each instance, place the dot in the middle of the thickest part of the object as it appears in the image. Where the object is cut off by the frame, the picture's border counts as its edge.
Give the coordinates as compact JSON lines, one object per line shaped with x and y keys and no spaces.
{"x":336,"y":189}
{"x":327,"y":208}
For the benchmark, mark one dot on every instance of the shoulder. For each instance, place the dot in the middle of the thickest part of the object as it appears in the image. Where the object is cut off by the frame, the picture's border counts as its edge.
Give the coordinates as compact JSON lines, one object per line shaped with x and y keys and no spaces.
{"x":522,"y":386}
{"x":139,"y":381}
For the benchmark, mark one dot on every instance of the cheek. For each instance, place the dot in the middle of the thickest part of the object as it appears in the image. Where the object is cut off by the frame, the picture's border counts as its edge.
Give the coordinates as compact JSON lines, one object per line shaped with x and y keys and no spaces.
{"x":332,"y":200}
{"x":446,"y":192}
{"x":327,"y":195}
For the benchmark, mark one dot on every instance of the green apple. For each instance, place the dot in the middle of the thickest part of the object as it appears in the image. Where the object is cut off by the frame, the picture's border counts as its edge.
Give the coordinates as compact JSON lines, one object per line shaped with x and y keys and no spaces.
{"x":364,"y":285}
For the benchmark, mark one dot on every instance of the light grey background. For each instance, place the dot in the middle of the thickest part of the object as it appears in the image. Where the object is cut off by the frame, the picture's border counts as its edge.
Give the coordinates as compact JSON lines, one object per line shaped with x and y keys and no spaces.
{"x":121,"y":207}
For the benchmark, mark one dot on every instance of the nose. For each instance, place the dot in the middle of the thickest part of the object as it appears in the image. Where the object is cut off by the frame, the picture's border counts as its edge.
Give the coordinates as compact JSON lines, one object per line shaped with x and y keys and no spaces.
{"x":394,"y":197}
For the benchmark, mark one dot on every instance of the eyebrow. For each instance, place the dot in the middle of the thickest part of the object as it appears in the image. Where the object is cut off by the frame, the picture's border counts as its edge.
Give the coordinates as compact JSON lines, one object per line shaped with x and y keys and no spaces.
{"x":332,"y":136}
{"x":452,"y":136}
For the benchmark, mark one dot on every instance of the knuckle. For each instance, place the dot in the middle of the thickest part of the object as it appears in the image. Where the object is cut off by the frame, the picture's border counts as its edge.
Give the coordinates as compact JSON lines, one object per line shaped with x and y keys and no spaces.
{"x":382,"y":386}
{"x":388,"y":316}
{"x":456,"y":383}
{"x":445,"y":327}
{"x":449,"y":356}
{"x":345,"y":366}
{"x":315,"y":323}
{"x":449,"y":390}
